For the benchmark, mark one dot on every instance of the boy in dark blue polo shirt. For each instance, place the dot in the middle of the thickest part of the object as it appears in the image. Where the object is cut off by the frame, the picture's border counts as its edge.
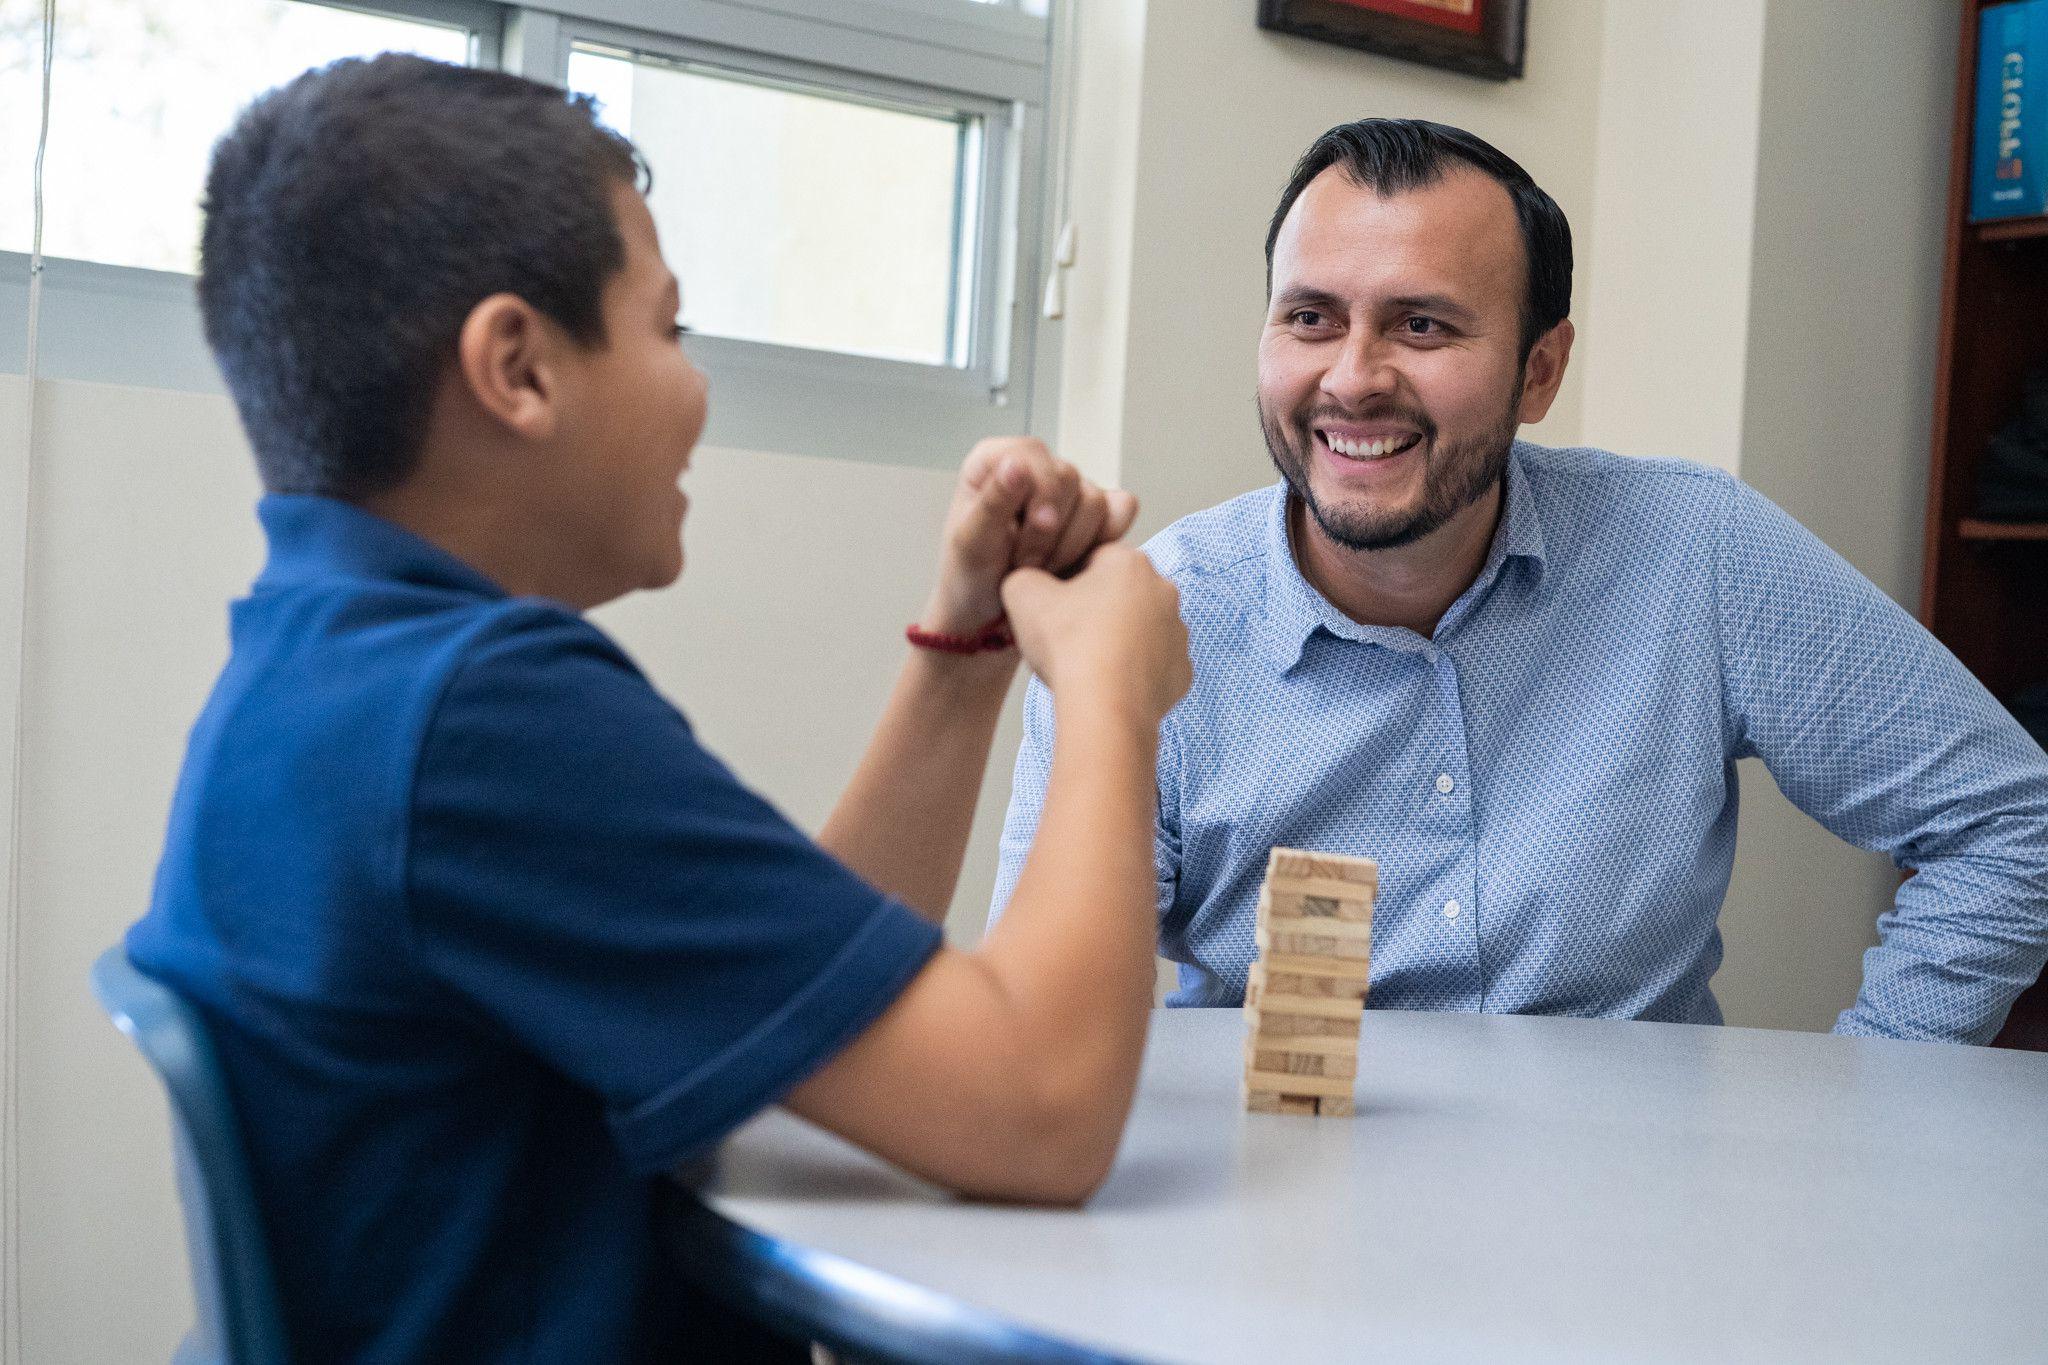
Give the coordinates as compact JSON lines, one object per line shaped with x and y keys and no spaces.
{"x":487,"y":939}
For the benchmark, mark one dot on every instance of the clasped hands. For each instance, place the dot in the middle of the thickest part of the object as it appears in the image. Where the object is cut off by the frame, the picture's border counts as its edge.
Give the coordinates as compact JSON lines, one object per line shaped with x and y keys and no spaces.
{"x":1028,"y":535}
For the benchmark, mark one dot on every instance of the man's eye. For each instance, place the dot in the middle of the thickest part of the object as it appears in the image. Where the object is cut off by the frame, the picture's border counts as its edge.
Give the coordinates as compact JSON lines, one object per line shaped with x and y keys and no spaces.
{"x":1421,"y":326}
{"x":1307,"y":317}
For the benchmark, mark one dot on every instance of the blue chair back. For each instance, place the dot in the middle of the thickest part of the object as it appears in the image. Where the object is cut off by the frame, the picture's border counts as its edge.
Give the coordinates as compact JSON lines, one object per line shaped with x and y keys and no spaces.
{"x":232,"y":1281}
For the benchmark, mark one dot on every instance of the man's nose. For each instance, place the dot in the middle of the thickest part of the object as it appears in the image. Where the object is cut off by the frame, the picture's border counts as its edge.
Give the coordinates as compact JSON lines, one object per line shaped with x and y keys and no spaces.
{"x":1362,"y":369}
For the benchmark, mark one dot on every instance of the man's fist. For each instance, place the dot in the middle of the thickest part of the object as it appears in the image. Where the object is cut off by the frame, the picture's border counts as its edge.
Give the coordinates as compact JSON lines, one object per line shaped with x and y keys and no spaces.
{"x":1112,"y":633}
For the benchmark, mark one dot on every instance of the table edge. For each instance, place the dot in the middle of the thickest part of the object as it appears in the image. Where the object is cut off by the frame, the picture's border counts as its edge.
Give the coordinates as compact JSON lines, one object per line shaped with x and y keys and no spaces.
{"x":822,"y":1296}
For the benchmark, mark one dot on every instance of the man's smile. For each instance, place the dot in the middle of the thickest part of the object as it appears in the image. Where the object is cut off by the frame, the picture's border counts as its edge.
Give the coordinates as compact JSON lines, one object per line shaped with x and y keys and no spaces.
{"x":1355,"y":444}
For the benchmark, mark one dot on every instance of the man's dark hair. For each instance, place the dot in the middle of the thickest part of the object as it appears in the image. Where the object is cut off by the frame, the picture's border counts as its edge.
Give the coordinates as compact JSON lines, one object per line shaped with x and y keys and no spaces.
{"x":1392,"y":155}
{"x":356,"y":215}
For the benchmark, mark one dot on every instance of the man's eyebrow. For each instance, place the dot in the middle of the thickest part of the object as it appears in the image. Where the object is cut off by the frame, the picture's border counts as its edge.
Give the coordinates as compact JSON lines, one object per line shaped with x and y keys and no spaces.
{"x":1306,"y":296}
{"x":1441,"y":305}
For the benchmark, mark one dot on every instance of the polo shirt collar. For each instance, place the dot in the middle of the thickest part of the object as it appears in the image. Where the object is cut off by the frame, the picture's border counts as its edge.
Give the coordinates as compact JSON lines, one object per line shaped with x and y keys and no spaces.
{"x":315,"y":538}
{"x":1295,"y":610}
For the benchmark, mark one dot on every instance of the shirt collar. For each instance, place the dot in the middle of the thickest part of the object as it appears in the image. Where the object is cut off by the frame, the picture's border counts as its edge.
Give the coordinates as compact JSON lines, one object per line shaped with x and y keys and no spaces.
{"x":314,"y":538}
{"x":1295,"y":610}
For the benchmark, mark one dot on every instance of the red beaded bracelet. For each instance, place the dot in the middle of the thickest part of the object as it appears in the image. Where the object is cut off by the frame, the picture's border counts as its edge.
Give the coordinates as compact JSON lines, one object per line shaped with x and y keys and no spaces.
{"x":991,"y":637}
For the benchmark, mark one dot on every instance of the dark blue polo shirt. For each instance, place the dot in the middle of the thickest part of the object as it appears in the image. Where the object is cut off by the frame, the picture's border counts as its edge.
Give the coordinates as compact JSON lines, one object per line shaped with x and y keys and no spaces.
{"x":488,"y":942}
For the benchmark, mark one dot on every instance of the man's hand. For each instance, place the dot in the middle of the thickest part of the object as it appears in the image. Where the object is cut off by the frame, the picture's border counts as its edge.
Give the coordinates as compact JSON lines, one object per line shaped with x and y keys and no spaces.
{"x":1016,"y":506}
{"x":1112,"y":634}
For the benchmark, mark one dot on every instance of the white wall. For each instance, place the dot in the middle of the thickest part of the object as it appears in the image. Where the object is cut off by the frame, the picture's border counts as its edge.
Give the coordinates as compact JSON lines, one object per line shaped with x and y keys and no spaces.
{"x":1665,"y":319}
{"x":1837,"y":384}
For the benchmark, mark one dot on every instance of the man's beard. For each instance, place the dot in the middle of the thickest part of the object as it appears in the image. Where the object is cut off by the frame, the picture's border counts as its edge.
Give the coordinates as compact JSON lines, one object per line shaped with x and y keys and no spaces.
{"x":1453,"y":478}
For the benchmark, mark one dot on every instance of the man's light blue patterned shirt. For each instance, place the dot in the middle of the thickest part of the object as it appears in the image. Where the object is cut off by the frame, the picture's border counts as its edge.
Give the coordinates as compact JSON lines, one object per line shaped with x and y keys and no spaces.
{"x":1549,"y":781}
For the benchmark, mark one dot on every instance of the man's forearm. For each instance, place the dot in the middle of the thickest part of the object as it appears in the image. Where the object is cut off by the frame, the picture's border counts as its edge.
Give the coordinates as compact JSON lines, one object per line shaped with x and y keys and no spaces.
{"x":904,"y":819}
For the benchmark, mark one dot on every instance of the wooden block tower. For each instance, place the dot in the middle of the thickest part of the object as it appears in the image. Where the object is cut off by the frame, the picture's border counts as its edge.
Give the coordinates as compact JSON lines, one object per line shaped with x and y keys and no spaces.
{"x":1306,"y":995}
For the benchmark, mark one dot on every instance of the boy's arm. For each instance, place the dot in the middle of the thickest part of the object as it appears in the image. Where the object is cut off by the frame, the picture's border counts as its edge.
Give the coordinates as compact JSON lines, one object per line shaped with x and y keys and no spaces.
{"x":1007,"y":1072}
{"x":904,"y":820}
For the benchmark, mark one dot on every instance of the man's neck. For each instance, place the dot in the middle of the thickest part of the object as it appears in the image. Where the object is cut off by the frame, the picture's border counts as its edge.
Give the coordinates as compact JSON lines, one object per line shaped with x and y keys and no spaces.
{"x":1410,"y":586}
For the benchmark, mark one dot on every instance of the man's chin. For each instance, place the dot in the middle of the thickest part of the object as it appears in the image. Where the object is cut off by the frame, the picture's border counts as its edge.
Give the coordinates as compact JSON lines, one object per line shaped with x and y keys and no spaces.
{"x":1377,"y":533}
{"x":1358,"y":523}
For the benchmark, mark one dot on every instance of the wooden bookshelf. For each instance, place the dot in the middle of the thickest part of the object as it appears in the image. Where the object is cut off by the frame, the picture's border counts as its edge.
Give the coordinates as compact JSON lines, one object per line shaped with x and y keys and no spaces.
{"x":2018,"y":230}
{"x":1970,"y":528}
{"x":1984,"y":585}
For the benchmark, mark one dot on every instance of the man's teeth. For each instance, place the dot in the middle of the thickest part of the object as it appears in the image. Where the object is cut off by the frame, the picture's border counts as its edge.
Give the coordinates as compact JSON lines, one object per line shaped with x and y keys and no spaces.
{"x":1369,"y":450}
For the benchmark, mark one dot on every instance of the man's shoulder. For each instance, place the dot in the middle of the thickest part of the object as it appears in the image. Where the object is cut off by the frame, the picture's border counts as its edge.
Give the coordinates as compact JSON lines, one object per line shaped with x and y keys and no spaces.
{"x":1222,"y":540}
{"x":1586,"y":497}
{"x":1588,"y":472}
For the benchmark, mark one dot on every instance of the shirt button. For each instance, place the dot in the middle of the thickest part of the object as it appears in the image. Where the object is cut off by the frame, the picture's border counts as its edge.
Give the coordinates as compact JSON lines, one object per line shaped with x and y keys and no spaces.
{"x":1450,"y":909}
{"x":1444,"y":783}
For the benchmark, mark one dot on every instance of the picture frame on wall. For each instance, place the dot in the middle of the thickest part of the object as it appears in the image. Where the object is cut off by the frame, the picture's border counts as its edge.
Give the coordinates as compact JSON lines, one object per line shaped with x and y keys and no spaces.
{"x":1475,"y":37}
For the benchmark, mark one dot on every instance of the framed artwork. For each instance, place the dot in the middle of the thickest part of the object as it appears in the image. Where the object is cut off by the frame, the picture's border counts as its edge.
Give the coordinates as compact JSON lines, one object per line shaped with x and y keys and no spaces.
{"x":1476,"y":37}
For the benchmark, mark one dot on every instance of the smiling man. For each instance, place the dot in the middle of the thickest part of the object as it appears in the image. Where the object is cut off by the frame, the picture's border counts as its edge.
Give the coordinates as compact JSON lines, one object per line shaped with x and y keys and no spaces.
{"x":1521,"y":677}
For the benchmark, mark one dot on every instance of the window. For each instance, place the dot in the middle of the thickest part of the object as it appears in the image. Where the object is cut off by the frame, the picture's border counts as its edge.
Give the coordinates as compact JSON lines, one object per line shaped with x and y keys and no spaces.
{"x":140,"y":90}
{"x":848,"y":189}
{"x":800,"y":215}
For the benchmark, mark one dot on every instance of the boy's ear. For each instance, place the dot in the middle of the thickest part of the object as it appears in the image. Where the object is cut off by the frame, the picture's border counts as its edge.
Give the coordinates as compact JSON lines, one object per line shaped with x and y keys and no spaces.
{"x":508,"y":358}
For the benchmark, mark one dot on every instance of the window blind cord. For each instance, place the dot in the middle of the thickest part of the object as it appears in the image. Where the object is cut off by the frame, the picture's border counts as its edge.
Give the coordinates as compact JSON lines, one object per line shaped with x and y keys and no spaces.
{"x":1064,"y":71}
{"x":10,"y":1150}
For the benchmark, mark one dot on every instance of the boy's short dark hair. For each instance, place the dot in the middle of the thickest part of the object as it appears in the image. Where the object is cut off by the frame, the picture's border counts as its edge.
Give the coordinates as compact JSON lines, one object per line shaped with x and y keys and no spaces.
{"x":355,"y":216}
{"x":1389,"y":155}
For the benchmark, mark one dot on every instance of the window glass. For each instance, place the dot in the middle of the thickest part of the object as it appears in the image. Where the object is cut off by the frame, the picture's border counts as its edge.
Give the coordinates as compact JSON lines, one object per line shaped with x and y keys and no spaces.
{"x":800,"y":215}
{"x":140,"y":89}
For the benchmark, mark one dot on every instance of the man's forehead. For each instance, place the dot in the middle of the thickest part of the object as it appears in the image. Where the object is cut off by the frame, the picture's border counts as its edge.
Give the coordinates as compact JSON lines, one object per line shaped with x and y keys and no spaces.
{"x":1455,"y":235}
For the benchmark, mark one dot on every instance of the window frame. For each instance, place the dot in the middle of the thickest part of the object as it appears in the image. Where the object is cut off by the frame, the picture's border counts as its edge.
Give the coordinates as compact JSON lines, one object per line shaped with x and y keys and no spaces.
{"x":127,"y":325}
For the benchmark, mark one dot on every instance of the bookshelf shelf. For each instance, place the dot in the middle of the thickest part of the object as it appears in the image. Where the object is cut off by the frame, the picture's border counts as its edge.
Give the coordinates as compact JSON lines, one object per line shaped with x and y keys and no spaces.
{"x":2014,"y":230}
{"x":1970,"y":528}
{"x":1983,"y":592}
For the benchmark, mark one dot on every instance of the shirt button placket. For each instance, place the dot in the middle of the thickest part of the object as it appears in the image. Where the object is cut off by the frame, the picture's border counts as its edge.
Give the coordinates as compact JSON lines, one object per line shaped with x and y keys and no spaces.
{"x":1453,"y":790}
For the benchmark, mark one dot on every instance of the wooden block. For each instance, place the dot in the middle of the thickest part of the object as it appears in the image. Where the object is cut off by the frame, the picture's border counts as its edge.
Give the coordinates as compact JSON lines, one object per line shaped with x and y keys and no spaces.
{"x":1270,"y":1055}
{"x":1285,"y":907}
{"x":1330,"y":1106}
{"x":1268,"y":1102}
{"x":1287,"y":1083}
{"x":1298,"y":965}
{"x":1316,"y":896}
{"x":1276,"y":942}
{"x":1269,"y":1003}
{"x":1321,"y":926}
{"x":1347,"y":983}
{"x":1291,"y":975}
{"x":1301,"y":1026}
{"x":1335,"y":1045}
{"x":1294,"y":862}
{"x":1301,"y":983}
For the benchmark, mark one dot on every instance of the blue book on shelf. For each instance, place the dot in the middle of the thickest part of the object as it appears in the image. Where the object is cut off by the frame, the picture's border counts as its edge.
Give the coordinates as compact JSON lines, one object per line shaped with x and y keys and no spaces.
{"x":2009,"y":166}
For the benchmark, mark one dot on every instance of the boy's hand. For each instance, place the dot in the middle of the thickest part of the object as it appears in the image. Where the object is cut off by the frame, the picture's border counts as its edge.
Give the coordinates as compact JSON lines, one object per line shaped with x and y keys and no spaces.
{"x":1016,"y":506}
{"x":1111,"y":635}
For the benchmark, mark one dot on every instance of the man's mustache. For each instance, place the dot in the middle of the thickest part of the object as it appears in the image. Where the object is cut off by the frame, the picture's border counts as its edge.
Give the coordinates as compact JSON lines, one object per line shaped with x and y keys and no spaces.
{"x":1326,"y":416}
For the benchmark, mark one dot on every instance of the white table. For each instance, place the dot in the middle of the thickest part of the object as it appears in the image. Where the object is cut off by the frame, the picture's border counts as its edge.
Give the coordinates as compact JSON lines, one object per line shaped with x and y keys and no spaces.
{"x":1512,"y":1189}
